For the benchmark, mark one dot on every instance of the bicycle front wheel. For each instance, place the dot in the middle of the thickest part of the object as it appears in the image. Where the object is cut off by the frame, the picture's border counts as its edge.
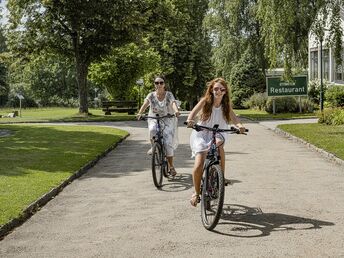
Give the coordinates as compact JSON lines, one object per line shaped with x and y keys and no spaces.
{"x":157,"y":164}
{"x":213,"y":193}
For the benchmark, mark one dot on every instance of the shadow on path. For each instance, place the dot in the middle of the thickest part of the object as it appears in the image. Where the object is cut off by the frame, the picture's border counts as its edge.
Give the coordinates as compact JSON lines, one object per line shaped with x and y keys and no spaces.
{"x":242,"y":221}
{"x":181,"y":182}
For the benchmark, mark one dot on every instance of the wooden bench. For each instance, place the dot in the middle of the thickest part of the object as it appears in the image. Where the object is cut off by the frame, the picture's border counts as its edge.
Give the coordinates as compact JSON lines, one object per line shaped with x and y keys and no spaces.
{"x":121,"y":106}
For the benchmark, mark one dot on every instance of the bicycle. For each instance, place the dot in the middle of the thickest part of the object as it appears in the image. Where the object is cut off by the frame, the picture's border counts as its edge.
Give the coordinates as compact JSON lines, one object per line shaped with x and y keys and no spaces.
{"x":159,"y":158}
{"x":212,"y":184}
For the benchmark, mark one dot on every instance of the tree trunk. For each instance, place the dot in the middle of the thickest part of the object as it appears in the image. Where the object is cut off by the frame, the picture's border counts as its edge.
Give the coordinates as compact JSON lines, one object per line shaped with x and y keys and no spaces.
{"x":81,"y":78}
{"x":81,"y":74}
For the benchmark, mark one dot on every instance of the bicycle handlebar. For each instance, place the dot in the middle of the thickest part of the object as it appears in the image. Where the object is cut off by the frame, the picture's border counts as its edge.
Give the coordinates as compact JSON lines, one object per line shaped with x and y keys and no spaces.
{"x":216,"y":129}
{"x":157,"y":117}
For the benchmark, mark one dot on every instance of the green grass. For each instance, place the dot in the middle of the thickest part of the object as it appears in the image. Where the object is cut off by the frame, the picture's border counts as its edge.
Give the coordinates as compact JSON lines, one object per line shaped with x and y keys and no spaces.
{"x":61,"y":115}
{"x":37,"y":158}
{"x":329,"y":138}
{"x":263,"y":115}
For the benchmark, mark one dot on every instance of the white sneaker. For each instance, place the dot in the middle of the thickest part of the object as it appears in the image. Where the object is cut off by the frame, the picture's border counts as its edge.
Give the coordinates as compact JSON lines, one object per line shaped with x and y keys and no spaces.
{"x":149,"y":152}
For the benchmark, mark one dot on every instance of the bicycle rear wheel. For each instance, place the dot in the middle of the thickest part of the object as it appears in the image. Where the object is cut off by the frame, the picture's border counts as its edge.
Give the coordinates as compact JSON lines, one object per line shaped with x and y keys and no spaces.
{"x":212,"y":197}
{"x":157,"y":164}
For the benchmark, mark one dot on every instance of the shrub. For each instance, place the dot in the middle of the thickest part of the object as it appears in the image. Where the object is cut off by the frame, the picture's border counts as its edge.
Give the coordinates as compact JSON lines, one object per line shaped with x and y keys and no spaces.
{"x":335,"y":96}
{"x":256,"y":101}
{"x":282,"y":104}
{"x":331,"y":116}
{"x":307,"y":105}
{"x":314,"y":90}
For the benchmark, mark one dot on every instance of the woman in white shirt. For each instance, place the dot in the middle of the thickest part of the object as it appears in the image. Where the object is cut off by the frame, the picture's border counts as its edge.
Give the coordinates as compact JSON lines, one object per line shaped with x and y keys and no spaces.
{"x":162,"y":102}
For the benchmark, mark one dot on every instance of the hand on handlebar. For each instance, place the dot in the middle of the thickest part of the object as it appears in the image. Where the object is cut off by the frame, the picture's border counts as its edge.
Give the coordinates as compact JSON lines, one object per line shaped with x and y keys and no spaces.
{"x":190,"y":123}
{"x":242,"y":130}
{"x":139,"y":116}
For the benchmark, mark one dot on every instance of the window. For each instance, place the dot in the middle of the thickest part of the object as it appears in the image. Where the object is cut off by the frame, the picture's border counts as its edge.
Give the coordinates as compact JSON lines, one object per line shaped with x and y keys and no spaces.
{"x":326,"y":64}
{"x":314,"y":65}
{"x":339,"y":70}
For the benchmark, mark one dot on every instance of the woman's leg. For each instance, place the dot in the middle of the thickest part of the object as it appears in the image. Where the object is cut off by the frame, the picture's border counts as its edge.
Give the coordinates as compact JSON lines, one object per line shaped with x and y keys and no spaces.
{"x":197,"y":171}
{"x":223,"y":158}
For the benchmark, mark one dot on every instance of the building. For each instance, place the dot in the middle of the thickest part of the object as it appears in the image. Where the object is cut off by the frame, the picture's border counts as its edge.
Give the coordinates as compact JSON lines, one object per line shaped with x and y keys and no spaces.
{"x":330,"y":72}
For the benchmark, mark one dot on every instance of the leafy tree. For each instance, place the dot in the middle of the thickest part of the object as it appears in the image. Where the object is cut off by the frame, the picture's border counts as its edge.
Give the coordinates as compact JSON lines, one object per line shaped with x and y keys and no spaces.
{"x":50,"y":77}
{"x":4,"y":88}
{"x":246,"y":79}
{"x":79,"y":30}
{"x":184,"y":46}
{"x":286,"y":25}
{"x":119,"y":71}
{"x":235,"y":28}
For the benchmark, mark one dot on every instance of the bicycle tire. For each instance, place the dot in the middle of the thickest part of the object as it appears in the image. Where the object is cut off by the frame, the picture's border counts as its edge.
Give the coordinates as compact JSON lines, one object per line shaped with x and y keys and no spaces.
{"x":212,"y":198}
{"x":157,"y":165}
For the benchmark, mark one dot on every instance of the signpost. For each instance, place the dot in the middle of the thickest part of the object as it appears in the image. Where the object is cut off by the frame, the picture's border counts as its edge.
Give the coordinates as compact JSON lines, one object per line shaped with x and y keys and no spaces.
{"x":140,"y":83}
{"x":275,"y":87}
{"x":20,"y":97}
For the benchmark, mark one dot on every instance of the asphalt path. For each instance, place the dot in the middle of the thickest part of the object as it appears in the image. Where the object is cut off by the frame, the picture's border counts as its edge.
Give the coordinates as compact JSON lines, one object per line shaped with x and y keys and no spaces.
{"x":286,"y":200}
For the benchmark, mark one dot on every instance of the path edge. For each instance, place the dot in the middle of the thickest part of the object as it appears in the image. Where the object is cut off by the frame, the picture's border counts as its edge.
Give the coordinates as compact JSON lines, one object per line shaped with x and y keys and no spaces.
{"x":329,"y":156}
{"x":43,"y":200}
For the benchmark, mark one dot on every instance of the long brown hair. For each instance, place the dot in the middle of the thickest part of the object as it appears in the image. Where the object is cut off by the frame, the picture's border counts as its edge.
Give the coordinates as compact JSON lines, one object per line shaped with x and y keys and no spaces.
{"x":209,"y":100}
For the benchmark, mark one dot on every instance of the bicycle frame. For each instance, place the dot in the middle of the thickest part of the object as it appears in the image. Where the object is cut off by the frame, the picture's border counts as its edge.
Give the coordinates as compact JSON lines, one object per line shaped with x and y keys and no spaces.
{"x":159,"y":158}
{"x":214,"y":176}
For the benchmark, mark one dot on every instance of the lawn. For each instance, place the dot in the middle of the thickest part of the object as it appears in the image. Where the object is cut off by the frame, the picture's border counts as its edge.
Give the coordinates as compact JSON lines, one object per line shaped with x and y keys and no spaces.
{"x":329,"y":138}
{"x":61,"y":115}
{"x":263,"y":115}
{"x":36,"y":158}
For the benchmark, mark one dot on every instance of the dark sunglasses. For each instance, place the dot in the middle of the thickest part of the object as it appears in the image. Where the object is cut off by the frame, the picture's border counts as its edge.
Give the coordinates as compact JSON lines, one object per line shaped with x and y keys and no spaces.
{"x":160,"y":82}
{"x":221,"y":89}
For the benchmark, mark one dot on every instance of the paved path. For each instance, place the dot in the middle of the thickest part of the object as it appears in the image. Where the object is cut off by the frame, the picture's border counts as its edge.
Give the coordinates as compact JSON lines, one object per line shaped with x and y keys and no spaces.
{"x":286,"y":201}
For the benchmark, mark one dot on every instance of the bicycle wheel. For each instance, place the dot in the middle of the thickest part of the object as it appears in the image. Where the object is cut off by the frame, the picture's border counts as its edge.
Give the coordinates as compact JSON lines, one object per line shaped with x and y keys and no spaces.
{"x":157,"y":164}
{"x":212,"y":197}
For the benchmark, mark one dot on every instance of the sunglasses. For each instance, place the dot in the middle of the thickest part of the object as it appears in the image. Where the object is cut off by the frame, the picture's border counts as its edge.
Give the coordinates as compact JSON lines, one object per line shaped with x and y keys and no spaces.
{"x":159,"y":82}
{"x":221,"y":89}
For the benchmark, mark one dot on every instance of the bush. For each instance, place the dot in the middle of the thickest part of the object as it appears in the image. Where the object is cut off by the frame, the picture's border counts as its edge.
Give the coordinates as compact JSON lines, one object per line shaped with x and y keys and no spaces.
{"x":335,"y":96}
{"x":256,"y":101}
{"x":282,"y":104}
{"x":331,"y":116}
{"x":314,"y":90}
{"x":307,"y":105}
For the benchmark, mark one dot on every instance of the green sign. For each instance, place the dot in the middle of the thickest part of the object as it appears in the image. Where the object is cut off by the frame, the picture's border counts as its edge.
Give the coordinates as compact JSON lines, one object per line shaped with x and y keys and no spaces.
{"x":296,"y":87}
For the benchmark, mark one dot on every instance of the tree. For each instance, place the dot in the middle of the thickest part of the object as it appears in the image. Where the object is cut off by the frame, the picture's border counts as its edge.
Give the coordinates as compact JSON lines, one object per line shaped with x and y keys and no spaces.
{"x":119,"y":71}
{"x":286,"y":25}
{"x":4,"y":88}
{"x":80,"y":30}
{"x":246,"y":78}
{"x":234,"y":28}
{"x":184,"y":46}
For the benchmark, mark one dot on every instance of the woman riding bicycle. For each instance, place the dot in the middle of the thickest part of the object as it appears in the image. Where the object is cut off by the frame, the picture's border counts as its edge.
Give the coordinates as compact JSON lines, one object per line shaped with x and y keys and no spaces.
{"x":162,"y":102}
{"x":214,"y":108}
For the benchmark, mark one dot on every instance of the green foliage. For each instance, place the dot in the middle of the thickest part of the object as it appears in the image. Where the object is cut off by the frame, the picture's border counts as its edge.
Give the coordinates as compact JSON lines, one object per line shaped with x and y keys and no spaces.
{"x":256,"y":101}
{"x":234,"y":28}
{"x":331,"y":116}
{"x":118,"y":72}
{"x":4,"y":87}
{"x":184,"y":46}
{"x":282,"y":104}
{"x":82,"y":31}
{"x":286,"y":25}
{"x":314,"y":90}
{"x":246,"y":79}
{"x":335,"y":96}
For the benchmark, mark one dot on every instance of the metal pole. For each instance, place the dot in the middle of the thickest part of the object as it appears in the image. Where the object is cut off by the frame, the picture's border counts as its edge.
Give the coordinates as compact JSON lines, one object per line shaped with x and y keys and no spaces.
{"x":321,"y":79}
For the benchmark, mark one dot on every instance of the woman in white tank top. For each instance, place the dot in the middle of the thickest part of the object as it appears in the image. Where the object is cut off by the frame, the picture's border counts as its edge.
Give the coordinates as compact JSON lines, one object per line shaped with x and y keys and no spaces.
{"x":214,"y":108}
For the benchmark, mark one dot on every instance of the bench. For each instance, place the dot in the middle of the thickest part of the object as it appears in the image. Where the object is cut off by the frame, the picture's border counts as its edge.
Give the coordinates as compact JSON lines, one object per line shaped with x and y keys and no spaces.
{"x":121,"y":106}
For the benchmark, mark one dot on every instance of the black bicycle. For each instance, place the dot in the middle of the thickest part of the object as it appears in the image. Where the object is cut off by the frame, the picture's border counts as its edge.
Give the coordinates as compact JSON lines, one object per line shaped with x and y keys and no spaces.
{"x":159,"y":158}
{"x":212,"y":184}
